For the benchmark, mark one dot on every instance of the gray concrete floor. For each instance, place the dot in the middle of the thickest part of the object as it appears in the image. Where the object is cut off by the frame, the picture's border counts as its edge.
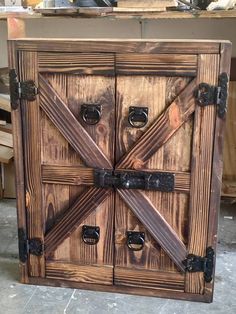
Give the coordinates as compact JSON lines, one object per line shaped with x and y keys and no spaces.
{"x":16,"y":298}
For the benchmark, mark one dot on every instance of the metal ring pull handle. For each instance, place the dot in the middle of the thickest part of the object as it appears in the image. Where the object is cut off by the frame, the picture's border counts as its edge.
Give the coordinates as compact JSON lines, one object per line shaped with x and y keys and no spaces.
{"x":91,"y":113}
{"x":90,"y":234}
{"x":135,"y":240}
{"x":138,"y":116}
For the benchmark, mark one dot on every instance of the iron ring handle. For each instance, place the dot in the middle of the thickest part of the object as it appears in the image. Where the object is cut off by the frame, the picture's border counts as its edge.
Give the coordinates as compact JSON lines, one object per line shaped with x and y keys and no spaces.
{"x":91,"y":114}
{"x":90,"y":235}
{"x":135,"y":240}
{"x":138,"y":117}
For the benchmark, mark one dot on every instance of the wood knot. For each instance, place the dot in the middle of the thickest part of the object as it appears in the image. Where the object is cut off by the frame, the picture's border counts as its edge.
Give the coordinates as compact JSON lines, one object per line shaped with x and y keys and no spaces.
{"x":101,"y":129}
{"x":174,"y":116}
{"x":137,"y":164}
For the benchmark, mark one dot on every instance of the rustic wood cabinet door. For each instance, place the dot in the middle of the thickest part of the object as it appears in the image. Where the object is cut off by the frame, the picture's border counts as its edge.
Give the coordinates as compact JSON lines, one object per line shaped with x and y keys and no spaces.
{"x":61,"y":150}
{"x":118,"y":163}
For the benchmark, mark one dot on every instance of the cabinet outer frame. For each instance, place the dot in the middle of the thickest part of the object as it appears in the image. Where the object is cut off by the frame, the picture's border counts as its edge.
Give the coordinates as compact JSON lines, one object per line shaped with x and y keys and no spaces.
{"x":223,"y":48}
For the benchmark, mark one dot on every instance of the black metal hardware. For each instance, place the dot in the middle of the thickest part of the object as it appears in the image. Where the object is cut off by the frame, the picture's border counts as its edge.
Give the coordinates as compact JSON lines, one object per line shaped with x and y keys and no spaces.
{"x":103,"y":3}
{"x":159,"y":181}
{"x":135,"y":240}
{"x":194,"y":263}
{"x":214,"y":95}
{"x":90,"y":234}
{"x":22,"y":243}
{"x":91,"y":113}
{"x":32,"y":246}
{"x":21,"y":90}
{"x":138,"y":116}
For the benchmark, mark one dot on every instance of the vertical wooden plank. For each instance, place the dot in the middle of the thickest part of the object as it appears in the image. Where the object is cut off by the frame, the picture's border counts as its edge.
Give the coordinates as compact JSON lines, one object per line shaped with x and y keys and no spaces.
{"x":217,"y":168}
{"x":18,"y":161}
{"x":32,"y":160}
{"x":202,"y":150}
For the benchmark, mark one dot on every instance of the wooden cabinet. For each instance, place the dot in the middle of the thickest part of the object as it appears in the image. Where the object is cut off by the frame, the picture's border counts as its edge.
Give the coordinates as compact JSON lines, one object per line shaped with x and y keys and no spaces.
{"x":118,"y":150}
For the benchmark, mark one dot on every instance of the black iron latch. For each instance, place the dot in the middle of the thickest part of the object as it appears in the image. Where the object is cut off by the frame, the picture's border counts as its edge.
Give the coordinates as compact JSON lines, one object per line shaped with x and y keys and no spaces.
{"x":214,"y":95}
{"x":194,"y":263}
{"x":159,"y":181}
{"x":32,"y":246}
{"x":21,"y":90}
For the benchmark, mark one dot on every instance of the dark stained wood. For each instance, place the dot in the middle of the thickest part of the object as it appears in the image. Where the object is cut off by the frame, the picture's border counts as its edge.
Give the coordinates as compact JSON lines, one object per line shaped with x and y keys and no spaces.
{"x":73,"y":217}
{"x":77,"y":63}
{"x":72,"y":175}
{"x":80,"y":273}
{"x":77,"y":175}
{"x":162,"y":293}
{"x":201,"y":172}
{"x":232,"y":68}
{"x":32,"y":160}
{"x":71,"y":129}
{"x":156,"y":64}
{"x":156,"y":225}
{"x":152,"y":46}
{"x":217,"y":168}
{"x":19,"y":163}
{"x":149,"y":279}
{"x":161,"y":130}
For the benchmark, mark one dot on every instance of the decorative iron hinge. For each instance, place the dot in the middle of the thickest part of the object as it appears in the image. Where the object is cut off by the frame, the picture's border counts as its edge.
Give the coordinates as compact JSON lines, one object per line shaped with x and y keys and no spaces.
{"x":159,"y":181}
{"x":21,"y":90}
{"x":214,"y":95}
{"x":194,"y":263}
{"x":32,"y":246}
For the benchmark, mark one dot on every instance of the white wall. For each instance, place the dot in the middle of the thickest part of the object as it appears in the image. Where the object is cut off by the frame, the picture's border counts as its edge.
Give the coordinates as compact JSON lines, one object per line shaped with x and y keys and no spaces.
{"x":108,"y":28}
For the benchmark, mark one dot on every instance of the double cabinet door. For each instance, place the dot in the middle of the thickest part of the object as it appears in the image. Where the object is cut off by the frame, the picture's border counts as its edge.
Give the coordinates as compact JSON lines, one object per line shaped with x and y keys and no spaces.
{"x":116,"y":151}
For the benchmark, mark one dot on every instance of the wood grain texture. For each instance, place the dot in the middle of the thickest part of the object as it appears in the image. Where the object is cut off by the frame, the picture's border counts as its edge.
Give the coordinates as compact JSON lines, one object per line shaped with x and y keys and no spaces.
{"x":71,"y":129}
{"x":145,"y":3}
{"x":94,"y":89}
{"x":152,"y":46}
{"x":156,"y":64}
{"x":77,"y":63}
{"x":19,"y":163}
{"x":156,"y":225}
{"x":148,"y":279}
{"x":77,"y":175}
{"x":80,"y":273}
{"x":73,"y":217}
{"x":32,"y":158}
{"x":72,"y":175}
{"x":217,"y":169}
{"x":200,"y":190}
{"x":162,"y":293}
{"x":161,"y":130}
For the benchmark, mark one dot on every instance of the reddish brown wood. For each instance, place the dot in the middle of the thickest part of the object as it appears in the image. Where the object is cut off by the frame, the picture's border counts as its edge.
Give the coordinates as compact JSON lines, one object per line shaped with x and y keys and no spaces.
{"x":73,"y":217}
{"x":64,"y":120}
{"x":156,"y":225}
{"x":19,"y":163}
{"x":32,"y":160}
{"x":161,"y":130}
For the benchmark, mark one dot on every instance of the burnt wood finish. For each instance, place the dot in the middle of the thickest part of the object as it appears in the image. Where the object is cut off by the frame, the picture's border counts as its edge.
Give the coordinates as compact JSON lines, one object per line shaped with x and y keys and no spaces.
{"x":83,"y":63}
{"x":28,"y":70}
{"x":19,"y":164}
{"x":70,"y":128}
{"x":57,"y":153}
{"x":73,"y":217}
{"x":161,"y":130}
{"x":204,"y":125}
{"x":156,"y":225}
{"x":156,"y":64}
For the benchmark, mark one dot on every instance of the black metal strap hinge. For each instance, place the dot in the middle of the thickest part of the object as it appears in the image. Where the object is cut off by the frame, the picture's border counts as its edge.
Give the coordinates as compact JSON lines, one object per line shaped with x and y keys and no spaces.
{"x":26,"y":90}
{"x":32,"y":246}
{"x":214,"y":95}
{"x":159,"y":181}
{"x":194,"y":263}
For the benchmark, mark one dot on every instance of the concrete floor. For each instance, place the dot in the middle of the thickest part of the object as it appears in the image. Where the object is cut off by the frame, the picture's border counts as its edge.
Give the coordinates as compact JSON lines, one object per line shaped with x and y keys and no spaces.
{"x":16,"y":298}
